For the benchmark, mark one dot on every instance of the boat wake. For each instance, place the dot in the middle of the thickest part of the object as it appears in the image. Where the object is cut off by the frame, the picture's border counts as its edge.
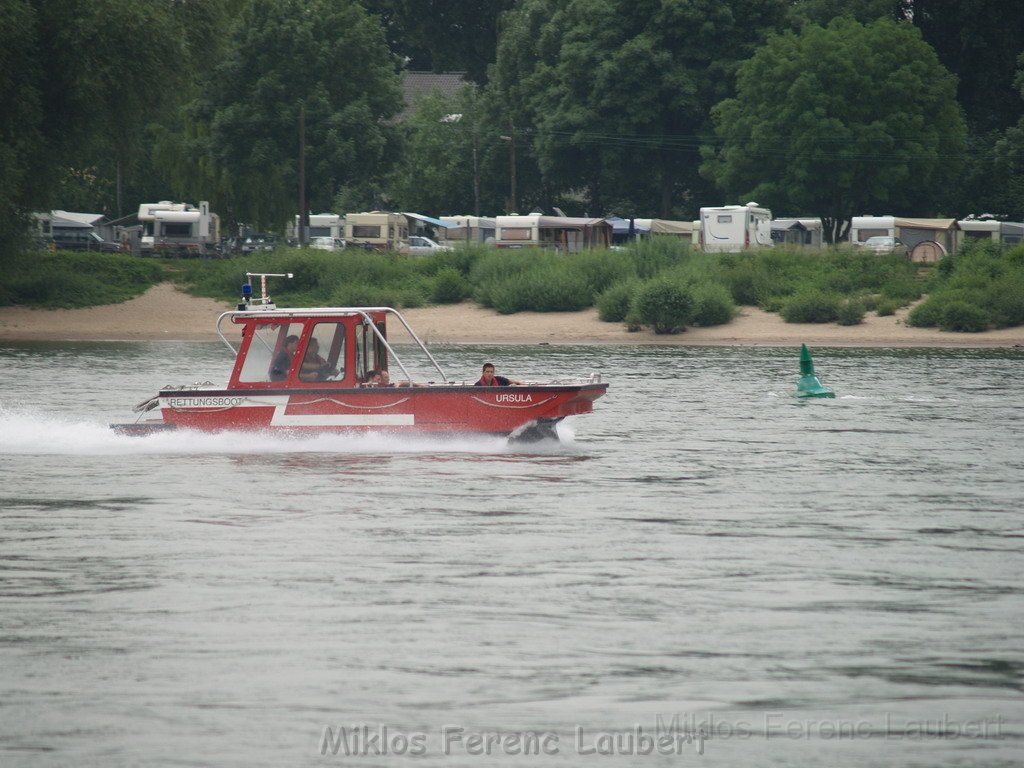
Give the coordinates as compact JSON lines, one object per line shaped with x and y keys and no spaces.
{"x":27,"y":433}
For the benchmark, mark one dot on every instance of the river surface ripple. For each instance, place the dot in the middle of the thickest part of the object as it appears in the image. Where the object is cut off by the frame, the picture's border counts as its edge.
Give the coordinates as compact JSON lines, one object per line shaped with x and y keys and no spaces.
{"x":762,"y":580}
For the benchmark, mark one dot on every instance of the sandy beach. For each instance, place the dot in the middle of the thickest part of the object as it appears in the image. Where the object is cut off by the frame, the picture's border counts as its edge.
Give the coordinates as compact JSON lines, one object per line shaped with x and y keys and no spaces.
{"x":165,"y":313}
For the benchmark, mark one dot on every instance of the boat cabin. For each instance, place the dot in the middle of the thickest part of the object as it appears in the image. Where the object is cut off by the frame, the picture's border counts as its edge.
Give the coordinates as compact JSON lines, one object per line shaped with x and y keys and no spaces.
{"x":313,"y":348}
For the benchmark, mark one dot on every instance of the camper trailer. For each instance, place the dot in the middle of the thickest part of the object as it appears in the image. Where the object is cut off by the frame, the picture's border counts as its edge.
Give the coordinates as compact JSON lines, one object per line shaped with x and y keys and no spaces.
{"x":178,"y":229}
{"x":927,"y":240}
{"x":470,"y":229}
{"x":732,"y":228}
{"x":1006,"y":232}
{"x":564,"y":233}
{"x":377,"y":230}
{"x":320,"y":225}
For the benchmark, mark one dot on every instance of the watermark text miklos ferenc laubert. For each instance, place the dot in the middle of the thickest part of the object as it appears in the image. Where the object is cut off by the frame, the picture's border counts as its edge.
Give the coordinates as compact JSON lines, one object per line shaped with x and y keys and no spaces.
{"x":669,"y":736}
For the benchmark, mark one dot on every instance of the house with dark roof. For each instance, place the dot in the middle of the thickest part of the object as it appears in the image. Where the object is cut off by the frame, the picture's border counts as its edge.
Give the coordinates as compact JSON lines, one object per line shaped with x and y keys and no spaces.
{"x":418,"y":85}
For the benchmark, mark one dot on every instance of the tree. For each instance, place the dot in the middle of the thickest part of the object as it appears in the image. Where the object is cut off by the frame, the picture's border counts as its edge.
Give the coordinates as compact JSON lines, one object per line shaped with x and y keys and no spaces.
{"x":615,"y":94}
{"x":838,"y":121}
{"x":79,"y":80}
{"x":978,"y":41}
{"x":448,"y":156}
{"x":326,"y":58}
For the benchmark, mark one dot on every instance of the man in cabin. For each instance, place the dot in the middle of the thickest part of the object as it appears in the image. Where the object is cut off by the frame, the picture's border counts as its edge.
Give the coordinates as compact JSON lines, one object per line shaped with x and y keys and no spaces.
{"x":283,"y":359}
{"x":488,"y":379}
{"x":314,"y":367}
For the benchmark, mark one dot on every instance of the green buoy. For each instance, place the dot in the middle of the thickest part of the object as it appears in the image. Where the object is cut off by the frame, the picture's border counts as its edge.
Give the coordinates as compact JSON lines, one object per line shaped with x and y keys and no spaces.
{"x":809,"y":385}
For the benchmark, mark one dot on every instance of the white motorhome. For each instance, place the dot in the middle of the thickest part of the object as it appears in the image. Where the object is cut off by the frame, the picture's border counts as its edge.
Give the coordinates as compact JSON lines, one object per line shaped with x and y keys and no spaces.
{"x":732,"y":228}
{"x":564,"y":233}
{"x":178,"y":229}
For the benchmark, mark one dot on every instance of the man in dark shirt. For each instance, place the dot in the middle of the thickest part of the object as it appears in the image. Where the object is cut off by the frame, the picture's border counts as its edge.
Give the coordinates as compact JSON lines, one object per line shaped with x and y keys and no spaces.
{"x":283,"y":359}
{"x":488,"y":379}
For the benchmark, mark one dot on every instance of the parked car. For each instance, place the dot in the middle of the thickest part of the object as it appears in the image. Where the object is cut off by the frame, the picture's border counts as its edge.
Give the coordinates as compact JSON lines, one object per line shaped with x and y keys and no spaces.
{"x":886,"y":244}
{"x":325,"y":243}
{"x":258,"y":242}
{"x":420,"y":246}
{"x":81,"y":240}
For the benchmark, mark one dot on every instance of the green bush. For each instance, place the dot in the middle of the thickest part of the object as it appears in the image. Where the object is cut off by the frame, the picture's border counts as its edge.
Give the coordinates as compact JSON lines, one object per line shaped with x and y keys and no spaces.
{"x":959,"y":315}
{"x":811,"y":306}
{"x":652,"y":255}
{"x":851,"y":312}
{"x":713,"y":305}
{"x":887,"y":307}
{"x":1006,"y":301}
{"x":614,"y":302}
{"x":599,"y":269}
{"x":450,"y":286}
{"x":548,"y":289}
{"x":664,"y":305}
{"x":927,"y":314}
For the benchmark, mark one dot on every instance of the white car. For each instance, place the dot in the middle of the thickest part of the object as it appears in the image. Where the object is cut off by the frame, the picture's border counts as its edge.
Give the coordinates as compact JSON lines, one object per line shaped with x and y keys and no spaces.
{"x":419,"y":246}
{"x":884,"y":244}
{"x":327,"y":243}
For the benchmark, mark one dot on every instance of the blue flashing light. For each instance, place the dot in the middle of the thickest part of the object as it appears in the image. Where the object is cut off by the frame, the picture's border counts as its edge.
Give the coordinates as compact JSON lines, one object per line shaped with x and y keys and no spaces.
{"x":246,"y":290}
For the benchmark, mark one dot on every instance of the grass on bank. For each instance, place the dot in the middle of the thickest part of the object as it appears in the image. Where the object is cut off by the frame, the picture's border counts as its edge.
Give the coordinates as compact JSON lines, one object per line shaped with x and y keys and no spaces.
{"x":659,"y":282}
{"x":66,"y":280}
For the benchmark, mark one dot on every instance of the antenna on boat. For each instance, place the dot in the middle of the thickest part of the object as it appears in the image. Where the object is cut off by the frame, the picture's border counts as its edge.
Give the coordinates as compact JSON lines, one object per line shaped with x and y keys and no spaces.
{"x":264,"y":301}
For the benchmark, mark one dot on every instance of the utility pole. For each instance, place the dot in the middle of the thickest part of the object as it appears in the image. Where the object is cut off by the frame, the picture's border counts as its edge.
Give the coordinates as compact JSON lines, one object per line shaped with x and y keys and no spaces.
{"x":303,"y":212}
{"x":511,"y":139}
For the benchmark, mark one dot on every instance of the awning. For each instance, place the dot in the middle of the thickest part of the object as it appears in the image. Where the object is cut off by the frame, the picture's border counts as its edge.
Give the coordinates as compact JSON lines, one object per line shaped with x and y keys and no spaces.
{"x":620,"y":226}
{"x":670,"y":227}
{"x":927,"y":223}
{"x":59,"y":222}
{"x":184,"y":217}
{"x":428,"y":220}
{"x":87,"y":219}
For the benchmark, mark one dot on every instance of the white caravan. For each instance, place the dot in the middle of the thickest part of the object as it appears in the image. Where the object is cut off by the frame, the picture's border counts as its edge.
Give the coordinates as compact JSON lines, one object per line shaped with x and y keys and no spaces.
{"x":178,"y":228}
{"x":732,"y":228}
{"x":321,"y":225}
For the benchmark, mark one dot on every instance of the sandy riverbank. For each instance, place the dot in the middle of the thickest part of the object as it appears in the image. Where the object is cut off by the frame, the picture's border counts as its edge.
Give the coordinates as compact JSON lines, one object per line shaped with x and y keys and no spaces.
{"x":164,"y":313}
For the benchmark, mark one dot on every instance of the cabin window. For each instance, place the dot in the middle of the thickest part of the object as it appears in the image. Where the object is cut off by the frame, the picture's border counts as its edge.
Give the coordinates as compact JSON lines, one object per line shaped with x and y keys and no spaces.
{"x":517,"y":233}
{"x":371,"y":354}
{"x":176,"y":230}
{"x":365,"y":230}
{"x":319,"y":232}
{"x":365,"y":358}
{"x":267,"y":351}
{"x":324,"y":358}
{"x":724,"y":218}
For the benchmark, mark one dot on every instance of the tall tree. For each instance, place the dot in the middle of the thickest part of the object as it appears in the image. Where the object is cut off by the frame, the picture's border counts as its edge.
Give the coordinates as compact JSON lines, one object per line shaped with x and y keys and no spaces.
{"x":616,"y":94}
{"x":79,"y":79}
{"x":839,"y":121}
{"x":326,"y":58}
{"x":22,"y":142}
{"x":978,"y":41}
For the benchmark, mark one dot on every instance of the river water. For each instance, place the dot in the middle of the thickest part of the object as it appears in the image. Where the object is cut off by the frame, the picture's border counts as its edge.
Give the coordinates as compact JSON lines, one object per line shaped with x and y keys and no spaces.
{"x":704,"y":571}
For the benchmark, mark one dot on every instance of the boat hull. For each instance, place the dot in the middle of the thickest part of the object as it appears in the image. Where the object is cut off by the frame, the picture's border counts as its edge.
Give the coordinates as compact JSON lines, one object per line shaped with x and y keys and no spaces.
{"x":430,"y":410}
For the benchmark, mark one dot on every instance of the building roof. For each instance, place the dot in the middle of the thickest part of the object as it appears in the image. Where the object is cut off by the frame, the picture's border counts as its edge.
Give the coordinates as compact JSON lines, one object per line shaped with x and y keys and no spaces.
{"x":418,"y":85}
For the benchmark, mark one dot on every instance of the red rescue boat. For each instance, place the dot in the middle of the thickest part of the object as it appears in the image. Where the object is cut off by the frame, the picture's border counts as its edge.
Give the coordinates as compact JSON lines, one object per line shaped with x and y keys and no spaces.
{"x":309,"y":371}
